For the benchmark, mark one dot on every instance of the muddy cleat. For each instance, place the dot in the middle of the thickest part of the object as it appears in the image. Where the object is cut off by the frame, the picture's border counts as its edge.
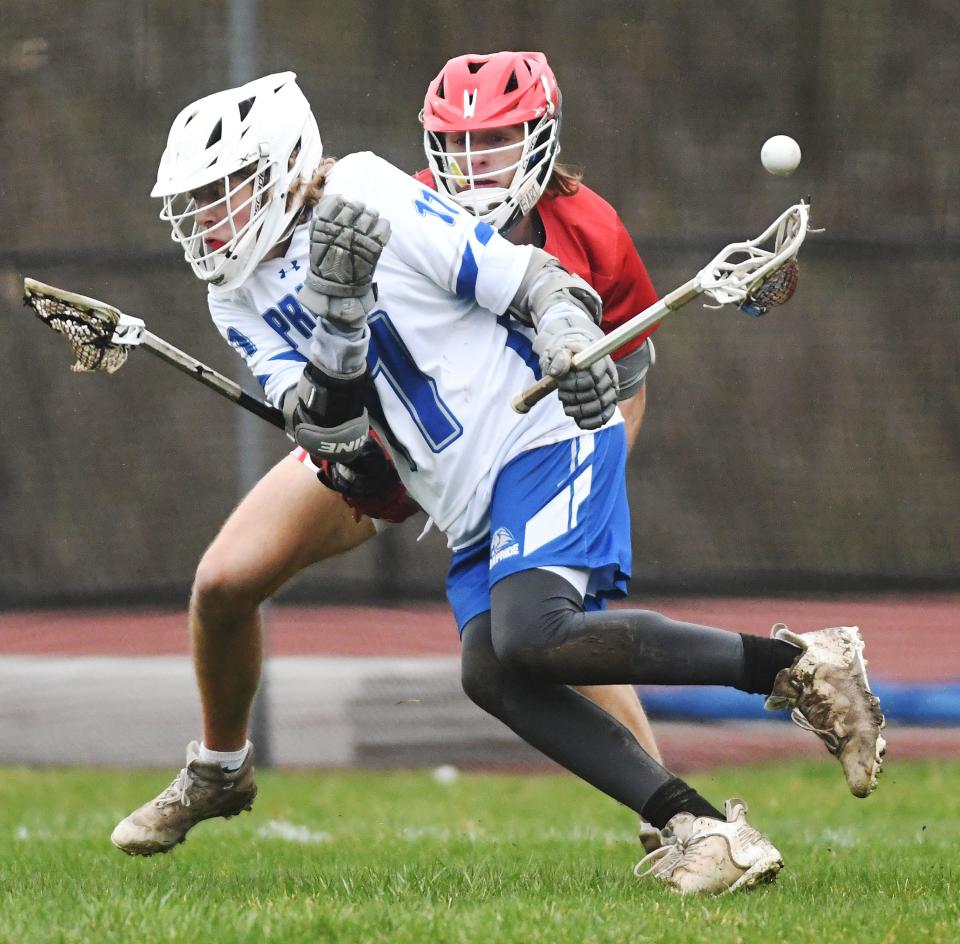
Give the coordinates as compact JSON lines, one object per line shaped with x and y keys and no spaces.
{"x":828,"y":692}
{"x":649,"y":837}
{"x":200,"y":791}
{"x":706,"y":856}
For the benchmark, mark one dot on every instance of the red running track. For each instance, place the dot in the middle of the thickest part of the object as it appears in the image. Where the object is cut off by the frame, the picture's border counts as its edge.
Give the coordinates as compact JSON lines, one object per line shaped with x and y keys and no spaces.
{"x":909,"y":638}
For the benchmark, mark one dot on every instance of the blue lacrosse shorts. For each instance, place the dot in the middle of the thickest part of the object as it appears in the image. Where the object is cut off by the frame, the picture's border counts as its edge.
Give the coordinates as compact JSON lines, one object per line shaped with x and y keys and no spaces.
{"x":563,"y":505}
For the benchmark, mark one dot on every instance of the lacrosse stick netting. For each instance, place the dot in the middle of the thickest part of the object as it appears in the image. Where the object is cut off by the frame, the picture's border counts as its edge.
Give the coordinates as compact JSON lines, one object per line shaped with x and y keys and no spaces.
{"x":99,"y":335}
{"x":755,"y":274}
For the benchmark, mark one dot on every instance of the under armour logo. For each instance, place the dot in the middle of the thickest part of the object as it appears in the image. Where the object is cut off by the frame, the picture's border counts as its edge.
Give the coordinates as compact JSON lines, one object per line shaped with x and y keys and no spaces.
{"x":283,"y":274}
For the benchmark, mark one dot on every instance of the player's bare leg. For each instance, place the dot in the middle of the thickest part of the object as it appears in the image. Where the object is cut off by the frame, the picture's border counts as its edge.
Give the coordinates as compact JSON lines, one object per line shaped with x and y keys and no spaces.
{"x":287,"y":522}
{"x":625,"y":706}
{"x":634,"y":409}
{"x":622,"y":702}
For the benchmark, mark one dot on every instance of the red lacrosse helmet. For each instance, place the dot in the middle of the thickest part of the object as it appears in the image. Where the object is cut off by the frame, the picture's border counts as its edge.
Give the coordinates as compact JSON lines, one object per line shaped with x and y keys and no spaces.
{"x":481,"y":92}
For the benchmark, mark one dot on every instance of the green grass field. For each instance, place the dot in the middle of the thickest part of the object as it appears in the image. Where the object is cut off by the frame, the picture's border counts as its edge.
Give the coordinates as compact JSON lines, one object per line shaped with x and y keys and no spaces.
{"x":373,"y":857}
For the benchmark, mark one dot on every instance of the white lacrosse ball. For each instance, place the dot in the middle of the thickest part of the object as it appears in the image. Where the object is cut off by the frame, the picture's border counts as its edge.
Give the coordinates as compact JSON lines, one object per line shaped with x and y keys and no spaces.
{"x":780,"y":155}
{"x":446,"y":774}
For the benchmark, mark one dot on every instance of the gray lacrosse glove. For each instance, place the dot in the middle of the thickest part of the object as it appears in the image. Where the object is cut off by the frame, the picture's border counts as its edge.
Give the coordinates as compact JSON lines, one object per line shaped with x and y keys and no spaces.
{"x":589,"y":396}
{"x":346,"y":239}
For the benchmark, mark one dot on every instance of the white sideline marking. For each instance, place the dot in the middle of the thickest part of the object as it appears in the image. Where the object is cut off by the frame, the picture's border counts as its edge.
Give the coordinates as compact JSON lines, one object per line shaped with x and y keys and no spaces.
{"x":291,"y":832}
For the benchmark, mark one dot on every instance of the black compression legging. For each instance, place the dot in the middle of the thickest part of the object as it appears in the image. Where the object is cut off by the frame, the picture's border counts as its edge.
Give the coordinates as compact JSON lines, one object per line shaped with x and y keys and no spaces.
{"x":539,"y":629}
{"x":519,"y":659}
{"x":559,"y":722}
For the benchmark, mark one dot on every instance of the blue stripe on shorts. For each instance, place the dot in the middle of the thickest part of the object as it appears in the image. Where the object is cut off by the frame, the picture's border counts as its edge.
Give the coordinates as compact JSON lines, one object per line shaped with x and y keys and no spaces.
{"x":563,"y":505}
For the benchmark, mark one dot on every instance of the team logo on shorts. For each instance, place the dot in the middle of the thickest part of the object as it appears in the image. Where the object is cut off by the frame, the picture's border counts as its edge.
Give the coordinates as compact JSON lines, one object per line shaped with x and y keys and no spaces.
{"x":502,"y":545}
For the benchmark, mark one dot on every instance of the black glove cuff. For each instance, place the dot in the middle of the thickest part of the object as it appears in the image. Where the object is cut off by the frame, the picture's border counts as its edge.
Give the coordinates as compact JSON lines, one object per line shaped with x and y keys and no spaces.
{"x":334,"y":400}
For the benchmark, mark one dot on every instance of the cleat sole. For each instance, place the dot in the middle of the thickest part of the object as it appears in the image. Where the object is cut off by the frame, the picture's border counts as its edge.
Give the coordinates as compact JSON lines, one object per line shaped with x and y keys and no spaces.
{"x":762,"y":873}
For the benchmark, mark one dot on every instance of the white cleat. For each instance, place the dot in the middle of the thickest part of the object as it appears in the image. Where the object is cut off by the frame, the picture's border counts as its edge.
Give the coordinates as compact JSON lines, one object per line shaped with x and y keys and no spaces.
{"x":828,"y":693}
{"x":200,"y":791}
{"x":706,"y":856}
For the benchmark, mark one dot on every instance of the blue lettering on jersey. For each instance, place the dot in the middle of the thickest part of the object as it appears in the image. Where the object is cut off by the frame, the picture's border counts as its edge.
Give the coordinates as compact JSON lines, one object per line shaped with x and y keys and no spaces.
{"x":426,"y":205}
{"x":291,"y":355}
{"x":294,"y":317}
{"x":388,"y":355}
{"x":299,"y":317}
{"x":241,"y":342}
{"x":279,"y":324}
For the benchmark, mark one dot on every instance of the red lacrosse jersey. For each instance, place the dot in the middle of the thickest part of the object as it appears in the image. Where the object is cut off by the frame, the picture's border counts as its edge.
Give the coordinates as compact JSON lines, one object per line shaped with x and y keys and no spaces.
{"x":585,"y":233}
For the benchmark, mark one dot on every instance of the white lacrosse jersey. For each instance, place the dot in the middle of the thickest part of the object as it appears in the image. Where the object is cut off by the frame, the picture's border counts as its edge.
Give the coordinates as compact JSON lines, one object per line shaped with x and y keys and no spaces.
{"x":444,"y":356}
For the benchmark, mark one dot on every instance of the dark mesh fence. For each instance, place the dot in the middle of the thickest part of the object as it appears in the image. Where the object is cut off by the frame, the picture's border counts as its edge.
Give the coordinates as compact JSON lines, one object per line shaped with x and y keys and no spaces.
{"x":817,"y":448}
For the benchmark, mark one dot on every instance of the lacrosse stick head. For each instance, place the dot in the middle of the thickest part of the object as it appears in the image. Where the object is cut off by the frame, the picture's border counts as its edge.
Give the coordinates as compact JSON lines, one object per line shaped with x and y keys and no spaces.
{"x":759,"y":273}
{"x":99,"y":335}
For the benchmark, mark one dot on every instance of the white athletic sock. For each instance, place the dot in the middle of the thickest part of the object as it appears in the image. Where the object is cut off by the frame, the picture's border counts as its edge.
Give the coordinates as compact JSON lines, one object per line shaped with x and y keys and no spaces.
{"x":228,"y":760}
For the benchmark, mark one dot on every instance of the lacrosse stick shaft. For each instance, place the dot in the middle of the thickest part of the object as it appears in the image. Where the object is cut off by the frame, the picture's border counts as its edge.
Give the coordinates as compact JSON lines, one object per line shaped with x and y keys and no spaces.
{"x":608,"y":344}
{"x":210,"y":378}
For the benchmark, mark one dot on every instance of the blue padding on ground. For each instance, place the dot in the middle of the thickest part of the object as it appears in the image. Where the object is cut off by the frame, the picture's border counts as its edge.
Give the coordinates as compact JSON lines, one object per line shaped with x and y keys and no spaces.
{"x":903,"y":703}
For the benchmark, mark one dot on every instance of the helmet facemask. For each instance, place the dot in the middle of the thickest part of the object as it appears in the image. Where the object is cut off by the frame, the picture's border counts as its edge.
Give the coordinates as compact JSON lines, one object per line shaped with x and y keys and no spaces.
{"x":455,"y":173}
{"x":184,"y":210}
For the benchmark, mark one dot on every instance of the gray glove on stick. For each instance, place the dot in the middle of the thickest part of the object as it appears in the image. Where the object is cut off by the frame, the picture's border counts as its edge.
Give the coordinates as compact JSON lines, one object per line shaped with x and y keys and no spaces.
{"x":589,"y":396}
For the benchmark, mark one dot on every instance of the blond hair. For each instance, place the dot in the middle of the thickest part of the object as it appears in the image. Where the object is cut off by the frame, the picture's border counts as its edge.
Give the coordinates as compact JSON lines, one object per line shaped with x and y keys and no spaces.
{"x":565,"y":180}
{"x":310,"y":191}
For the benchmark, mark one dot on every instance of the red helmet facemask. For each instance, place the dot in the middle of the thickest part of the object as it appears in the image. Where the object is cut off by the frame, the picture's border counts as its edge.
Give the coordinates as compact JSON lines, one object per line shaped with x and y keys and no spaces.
{"x":478,"y":93}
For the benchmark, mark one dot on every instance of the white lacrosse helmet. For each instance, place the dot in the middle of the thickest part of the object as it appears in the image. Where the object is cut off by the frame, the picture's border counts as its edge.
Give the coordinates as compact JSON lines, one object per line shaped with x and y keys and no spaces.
{"x":264,"y":130}
{"x":479,"y":92}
